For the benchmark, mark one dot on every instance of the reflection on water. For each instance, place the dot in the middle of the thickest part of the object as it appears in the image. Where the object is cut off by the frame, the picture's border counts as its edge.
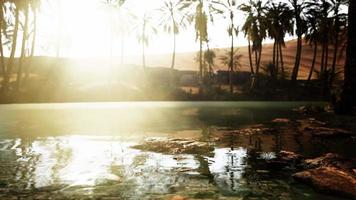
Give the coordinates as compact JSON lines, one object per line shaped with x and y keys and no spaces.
{"x":42,"y":156}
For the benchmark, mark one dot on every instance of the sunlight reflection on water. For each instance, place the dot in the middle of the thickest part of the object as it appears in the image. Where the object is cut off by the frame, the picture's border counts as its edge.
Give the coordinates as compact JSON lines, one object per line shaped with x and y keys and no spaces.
{"x":74,"y":151}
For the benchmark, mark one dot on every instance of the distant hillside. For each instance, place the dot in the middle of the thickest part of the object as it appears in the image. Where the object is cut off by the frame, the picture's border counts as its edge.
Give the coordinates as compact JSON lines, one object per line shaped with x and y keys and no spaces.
{"x":186,"y":61}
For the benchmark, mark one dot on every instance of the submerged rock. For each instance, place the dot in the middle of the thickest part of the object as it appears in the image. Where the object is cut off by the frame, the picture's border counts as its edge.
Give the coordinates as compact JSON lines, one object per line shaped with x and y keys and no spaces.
{"x":329,"y":180}
{"x":281,"y":120}
{"x":310,"y":109}
{"x":330,"y":173}
{"x":285,"y":159}
{"x":330,"y":160}
{"x":175,"y":146}
{"x":327,"y":132}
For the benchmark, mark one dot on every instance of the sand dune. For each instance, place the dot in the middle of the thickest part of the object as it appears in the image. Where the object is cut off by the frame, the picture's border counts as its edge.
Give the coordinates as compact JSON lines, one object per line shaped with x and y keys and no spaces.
{"x":185,"y":61}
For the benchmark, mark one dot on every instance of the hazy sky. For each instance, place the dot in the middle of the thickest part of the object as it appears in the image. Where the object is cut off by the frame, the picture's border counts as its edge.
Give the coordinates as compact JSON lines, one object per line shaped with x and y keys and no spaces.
{"x":86,"y":30}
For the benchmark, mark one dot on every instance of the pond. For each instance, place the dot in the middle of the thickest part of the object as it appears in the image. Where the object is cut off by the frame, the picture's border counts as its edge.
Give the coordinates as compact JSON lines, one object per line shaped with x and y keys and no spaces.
{"x":85,"y":151}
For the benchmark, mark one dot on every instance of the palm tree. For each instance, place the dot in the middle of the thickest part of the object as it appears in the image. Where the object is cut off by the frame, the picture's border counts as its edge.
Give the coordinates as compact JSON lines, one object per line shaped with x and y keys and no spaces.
{"x":230,"y":7}
{"x":348,"y":96}
{"x":15,"y":8}
{"x":255,"y":27}
{"x":209,"y":59}
{"x":313,"y":33}
{"x":232,"y":63}
{"x":145,"y":30}
{"x":2,"y":30}
{"x":298,"y":9}
{"x":172,"y":21}
{"x":124,"y":20}
{"x":339,"y":21}
{"x":247,"y":31}
{"x":200,"y":12}
{"x":25,"y":9}
{"x":280,"y":23}
{"x":35,"y":7}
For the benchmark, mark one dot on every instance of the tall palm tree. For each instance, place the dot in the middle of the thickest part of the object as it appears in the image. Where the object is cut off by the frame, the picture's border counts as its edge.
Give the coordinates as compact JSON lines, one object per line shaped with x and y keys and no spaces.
{"x":26,"y":10}
{"x":280,"y":23}
{"x":339,"y":21}
{"x":145,"y":29}
{"x":325,"y":7}
{"x":2,"y":30}
{"x":124,"y":19}
{"x":255,"y":27}
{"x":247,"y":31}
{"x":35,"y":7}
{"x":172,"y":20}
{"x":348,"y":96}
{"x":15,"y":7}
{"x":298,"y":9}
{"x":313,"y":33}
{"x":229,"y":7}
{"x":200,"y":12}
{"x":113,"y":8}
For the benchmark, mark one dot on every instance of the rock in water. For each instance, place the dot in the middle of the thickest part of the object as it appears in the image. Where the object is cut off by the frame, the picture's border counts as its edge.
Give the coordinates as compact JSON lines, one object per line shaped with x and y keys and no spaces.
{"x":330,"y":160}
{"x":327,"y":132}
{"x":175,"y":146}
{"x":285,"y":159}
{"x":329,"y":180}
{"x":281,"y":120}
{"x":178,"y":198}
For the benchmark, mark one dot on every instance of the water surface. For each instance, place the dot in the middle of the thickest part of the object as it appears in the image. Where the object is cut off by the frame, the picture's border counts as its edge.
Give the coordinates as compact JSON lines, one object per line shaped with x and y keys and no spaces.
{"x":84,"y":151}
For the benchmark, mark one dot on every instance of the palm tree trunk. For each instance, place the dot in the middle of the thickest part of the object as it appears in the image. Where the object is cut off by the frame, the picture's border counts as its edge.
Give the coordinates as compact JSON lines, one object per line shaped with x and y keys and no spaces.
{"x":348,"y":96}
{"x":23,"y":49}
{"x":336,"y":48}
{"x":282,"y":61}
{"x":143,"y":56}
{"x":2,"y":59}
{"x":276,"y":69}
{"x":259,"y":58}
{"x":143,"y":44}
{"x":200,"y":59}
{"x":274,"y":53}
{"x":174,"y":51}
{"x":256,"y":60}
{"x":322,"y":65}
{"x":313,"y":63}
{"x":297,"y":59}
{"x":326,"y":75}
{"x":174,"y":42}
{"x":27,"y":70}
{"x":13,"y":50}
{"x":326,"y":56}
{"x":250,"y":57}
{"x":231,"y":57}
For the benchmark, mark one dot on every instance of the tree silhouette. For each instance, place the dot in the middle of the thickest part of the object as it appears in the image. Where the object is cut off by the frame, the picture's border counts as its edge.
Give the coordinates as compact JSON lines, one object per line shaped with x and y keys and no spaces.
{"x":145,"y":29}
{"x":172,"y":21}
{"x":255,"y":27}
{"x":300,"y":24}
{"x":348,"y":96}
{"x":280,"y":23}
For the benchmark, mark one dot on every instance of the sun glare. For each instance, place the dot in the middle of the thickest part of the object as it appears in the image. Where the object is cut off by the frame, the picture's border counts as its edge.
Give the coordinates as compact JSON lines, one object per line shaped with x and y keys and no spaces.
{"x":86,"y":30}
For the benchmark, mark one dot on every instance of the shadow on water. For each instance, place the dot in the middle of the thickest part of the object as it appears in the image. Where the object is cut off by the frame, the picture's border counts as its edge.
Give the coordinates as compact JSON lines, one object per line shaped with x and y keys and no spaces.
{"x":60,"y":152}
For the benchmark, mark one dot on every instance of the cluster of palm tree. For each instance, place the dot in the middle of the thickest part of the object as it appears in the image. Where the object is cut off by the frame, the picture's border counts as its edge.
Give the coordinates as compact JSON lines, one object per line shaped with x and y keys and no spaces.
{"x":320,"y":22}
{"x":17,"y":18}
